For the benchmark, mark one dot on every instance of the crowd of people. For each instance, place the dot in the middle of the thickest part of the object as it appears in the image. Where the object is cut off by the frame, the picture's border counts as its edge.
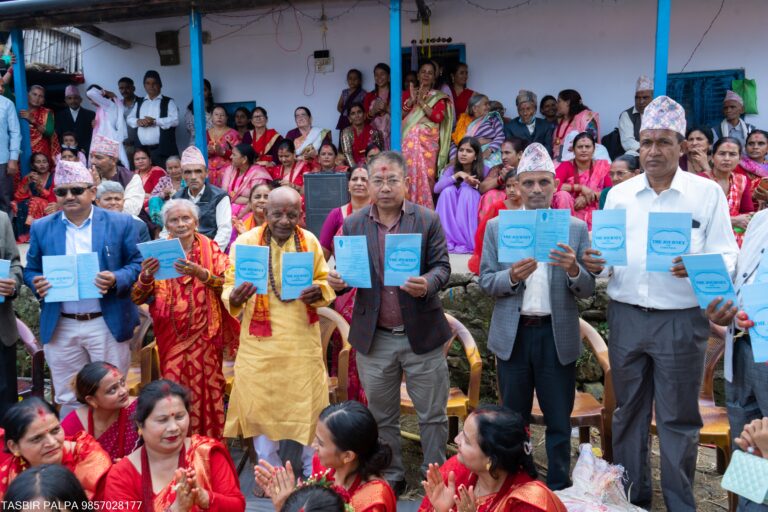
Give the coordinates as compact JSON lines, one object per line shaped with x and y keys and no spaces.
{"x":102,"y":182}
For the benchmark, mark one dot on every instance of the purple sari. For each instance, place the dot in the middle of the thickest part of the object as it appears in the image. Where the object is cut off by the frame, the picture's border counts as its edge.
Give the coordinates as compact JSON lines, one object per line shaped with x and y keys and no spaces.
{"x":457,"y":208}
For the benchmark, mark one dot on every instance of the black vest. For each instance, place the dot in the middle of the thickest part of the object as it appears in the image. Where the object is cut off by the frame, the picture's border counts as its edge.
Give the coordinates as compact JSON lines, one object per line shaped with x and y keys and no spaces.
{"x":210,"y":199}
{"x":636,"y":118}
{"x":167,"y":136}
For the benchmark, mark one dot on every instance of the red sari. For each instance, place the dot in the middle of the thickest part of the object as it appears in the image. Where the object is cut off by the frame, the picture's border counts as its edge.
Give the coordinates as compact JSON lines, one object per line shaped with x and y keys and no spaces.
{"x":371,"y":496}
{"x":739,"y":199}
{"x":192,"y":328}
{"x":45,"y":142}
{"x":83,"y":456}
{"x":477,"y":255}
{"x":264,"y":146}
{"x":520,"y":492}
{"x":597,"y":178}
{"x":214,"y":470}
{"x":118,"y":440}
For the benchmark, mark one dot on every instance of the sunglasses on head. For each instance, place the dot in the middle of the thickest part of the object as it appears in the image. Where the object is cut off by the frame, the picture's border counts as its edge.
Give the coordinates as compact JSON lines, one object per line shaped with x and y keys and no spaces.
{"x":75,"y":191}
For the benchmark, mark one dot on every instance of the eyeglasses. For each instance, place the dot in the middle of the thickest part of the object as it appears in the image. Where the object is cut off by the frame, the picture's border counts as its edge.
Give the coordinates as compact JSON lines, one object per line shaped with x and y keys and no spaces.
{"x":391,"y":182}
{"x":75,"y":191}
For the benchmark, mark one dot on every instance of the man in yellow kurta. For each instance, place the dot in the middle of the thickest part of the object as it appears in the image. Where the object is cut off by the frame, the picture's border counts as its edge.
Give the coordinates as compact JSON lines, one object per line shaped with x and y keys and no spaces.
{"x":281,"y":384}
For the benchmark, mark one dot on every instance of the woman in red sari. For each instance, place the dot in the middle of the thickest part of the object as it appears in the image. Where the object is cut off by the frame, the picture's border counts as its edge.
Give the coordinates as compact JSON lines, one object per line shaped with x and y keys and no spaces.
{"x":221,"y":139}
{"x":358,"y":136}
{"x":574,"y":117}
{"x":754,"y":166}
{"x":33,"y":436}
{"x":290,"y":172}
{"x":326,"y":159}
{"x":42,"y":134}
{"x":350,"y":458}
{"x":171,"y":470}
{"x":493,"y":472}
{"x":582,"y":179}
{"x":191,"y":326}
{"x":264,"y":141}
{"x":108,"y":415}
{"x":377,"y":105}
{"x":725,"y":159}
{"x":150,"y":174}
{"x":33,"y":196}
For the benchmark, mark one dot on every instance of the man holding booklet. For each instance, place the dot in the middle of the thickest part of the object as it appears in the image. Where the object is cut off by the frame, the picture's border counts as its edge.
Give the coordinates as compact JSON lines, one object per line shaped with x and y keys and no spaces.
{"x":280,"y":384}
{"x":746,"y":349}
{"x":531,"y":265}
{"x":82,"y":262}
{"x":658,"y":331}
{"x":398,"y":324}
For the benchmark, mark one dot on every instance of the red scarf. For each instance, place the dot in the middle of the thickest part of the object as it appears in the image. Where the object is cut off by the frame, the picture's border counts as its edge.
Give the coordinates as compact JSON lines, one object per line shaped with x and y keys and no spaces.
{"x":261,"y":324}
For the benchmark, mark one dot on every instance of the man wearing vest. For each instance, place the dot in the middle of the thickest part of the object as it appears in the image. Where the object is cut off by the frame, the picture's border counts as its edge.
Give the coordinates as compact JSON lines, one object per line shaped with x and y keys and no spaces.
{"x":155,"y":117}
{"x":629,"y":120}
{"x":215,"y":210}
{"x":104,"y":164}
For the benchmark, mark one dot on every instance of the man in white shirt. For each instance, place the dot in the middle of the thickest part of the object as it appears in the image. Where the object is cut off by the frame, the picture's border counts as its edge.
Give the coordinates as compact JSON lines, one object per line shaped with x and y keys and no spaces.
{"x":658,"y":333}
{"x":213,"y":202}
{"x":534,"y":330}
{"x":732,"y":124}
{"x":746,"y":386}
{"x":155,"y":117}
{"x":104,"y":158}
{"x":629,"y":120}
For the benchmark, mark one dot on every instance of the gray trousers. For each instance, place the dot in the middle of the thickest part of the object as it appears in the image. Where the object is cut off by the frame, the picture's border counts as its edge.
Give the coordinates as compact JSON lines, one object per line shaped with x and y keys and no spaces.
{"x":657,"y":357}
{"x":6,"y":190}
{"x":746,"y":398}
{"x":426,"y":378}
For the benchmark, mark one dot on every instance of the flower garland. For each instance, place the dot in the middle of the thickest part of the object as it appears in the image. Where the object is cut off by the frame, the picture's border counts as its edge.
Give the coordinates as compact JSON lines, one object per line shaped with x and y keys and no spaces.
{"x":324,"y":480}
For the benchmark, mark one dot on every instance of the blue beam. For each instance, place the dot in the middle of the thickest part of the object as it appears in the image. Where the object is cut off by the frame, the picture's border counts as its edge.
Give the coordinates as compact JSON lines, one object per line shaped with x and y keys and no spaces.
{"x":196,"y":60}
{"x":20,"y":91}
{"x":396,"y":76}
{"x":663,"y":15}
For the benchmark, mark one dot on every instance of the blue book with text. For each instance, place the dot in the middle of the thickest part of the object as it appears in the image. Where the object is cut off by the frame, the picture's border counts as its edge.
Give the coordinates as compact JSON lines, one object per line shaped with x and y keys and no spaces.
{"x":709,"y":278}
{"x":609,"y":236}
{"x":402,"y":258}
{"x":669,"y":236}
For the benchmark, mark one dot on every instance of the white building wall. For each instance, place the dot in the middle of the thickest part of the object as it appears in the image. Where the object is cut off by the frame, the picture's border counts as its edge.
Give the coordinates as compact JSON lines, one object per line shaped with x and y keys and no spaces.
{"x":598,"y":47}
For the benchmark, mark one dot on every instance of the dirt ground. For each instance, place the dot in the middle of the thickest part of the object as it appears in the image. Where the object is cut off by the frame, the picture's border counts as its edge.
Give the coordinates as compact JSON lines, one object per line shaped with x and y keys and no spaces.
{"x":710,"y":497}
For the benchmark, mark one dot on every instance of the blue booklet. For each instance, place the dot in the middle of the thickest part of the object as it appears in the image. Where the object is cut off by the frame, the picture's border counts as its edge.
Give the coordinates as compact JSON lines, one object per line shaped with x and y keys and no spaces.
{"x":351,"y":255}
{"x":167,"y":253}
{"x":609,"y":236}
{"x":755,"y":302}
{"x":61,"y":273}
{"x":709,"y":278}
{"x":669,"y":236}
{"x":87,"y":268}
{"x":252,"y":265}
{"x":5,"y":273}
{"x":402,"y":258}
{"x":298,"y":273}
{"x":517,"y":235}
{"x":552,"y":228}
{"x":762,"y":269}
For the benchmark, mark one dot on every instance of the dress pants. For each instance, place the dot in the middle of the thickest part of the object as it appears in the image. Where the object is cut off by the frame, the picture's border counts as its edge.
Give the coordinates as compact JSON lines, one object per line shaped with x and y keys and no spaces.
{"x":533,"y":364}
{"x":426,"y":378}
{"x":76,"y":343}
{"x":8,"y":391}
{"x":746,"y":398}
{"x":657,"y":356}
{"x":6,"y":190}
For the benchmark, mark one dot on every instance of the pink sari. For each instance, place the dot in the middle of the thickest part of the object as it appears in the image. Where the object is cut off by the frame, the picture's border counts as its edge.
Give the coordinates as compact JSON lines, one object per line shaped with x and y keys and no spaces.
{"x":596,"y":179}
{"x":217,"y":163}
{"x":584,"y":121}
{"x":239,"y":185}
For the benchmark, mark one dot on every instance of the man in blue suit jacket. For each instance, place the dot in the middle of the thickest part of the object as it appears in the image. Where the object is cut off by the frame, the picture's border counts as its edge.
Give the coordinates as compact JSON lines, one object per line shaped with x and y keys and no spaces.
{"x":78,"y":332}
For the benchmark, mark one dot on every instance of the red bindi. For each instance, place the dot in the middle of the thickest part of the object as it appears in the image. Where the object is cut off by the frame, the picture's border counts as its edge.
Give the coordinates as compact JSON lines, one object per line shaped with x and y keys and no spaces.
{"x":115,"y":373}
{"x":41,"y":412}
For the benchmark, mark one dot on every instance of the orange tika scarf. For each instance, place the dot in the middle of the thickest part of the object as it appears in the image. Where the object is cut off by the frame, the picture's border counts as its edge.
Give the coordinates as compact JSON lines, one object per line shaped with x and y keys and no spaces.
{"x":261,"y":324}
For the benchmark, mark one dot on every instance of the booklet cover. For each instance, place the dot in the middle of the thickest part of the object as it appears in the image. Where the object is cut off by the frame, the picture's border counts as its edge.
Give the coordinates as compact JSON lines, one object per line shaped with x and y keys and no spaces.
{"x":709,"y":278}
{"x":251,"y":265}
{"x":298,"y":271}
{"x":61,"y":273}
{"x":351,"y":255}
{"x":517,"y":235}
{"x":402,"y":258}
{"x":167,"y":253}
{"x":609,"y":236}
{"x":669,"y":236}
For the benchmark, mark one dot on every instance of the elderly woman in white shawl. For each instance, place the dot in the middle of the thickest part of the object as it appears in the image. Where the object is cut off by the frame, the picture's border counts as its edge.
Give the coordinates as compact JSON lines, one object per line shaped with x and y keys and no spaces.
{"x":305,"y":137}
{"x":110,"y":121}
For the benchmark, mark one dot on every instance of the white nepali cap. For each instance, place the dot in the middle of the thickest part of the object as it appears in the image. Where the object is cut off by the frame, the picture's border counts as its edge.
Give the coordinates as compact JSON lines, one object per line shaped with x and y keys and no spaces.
{"x":664,"y":113}
{"x":643,"y":84}
{"x":535,"y":158}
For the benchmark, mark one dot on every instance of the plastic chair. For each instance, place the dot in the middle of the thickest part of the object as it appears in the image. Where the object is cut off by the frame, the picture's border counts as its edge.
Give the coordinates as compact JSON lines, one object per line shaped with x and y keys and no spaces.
{"x":460,"y":404}
{"x":587,"y":411}
{"x":35,"y":350}
{"x":331,"y":321}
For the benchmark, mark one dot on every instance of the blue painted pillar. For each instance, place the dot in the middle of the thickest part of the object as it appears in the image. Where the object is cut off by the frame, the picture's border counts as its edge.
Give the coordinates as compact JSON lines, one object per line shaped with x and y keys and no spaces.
{"x":196,"y":60}
{"x":396,"y":76}
{"x":663,"y":15}
{"x":20,"y":90}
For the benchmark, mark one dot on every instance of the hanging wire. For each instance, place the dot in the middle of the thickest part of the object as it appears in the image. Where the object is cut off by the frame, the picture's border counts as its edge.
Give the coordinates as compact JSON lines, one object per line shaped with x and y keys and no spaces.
{"x":717,"y":15}
{"x":495,"y":9}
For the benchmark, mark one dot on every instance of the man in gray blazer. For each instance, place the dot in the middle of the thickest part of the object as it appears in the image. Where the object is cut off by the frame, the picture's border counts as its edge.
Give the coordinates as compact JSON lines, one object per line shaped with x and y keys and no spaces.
{"x":9,"y":289}
{"x":534,"y":329}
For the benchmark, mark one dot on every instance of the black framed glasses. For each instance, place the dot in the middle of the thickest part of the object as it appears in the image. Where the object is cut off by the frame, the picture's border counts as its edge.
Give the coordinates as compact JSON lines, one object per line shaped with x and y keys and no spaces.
{"x":75,"y":191}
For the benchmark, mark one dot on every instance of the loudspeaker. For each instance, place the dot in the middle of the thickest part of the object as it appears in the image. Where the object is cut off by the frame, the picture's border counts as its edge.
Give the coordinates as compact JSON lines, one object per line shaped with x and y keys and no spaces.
{"x":167,"y":44}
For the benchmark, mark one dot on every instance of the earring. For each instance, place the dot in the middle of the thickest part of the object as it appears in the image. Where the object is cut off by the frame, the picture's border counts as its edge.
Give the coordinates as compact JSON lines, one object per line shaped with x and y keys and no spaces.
{"x":488,"y":466}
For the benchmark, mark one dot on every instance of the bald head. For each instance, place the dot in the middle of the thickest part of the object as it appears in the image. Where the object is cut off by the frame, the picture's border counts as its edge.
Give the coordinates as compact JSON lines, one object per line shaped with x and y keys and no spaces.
{"x":283,"y":212}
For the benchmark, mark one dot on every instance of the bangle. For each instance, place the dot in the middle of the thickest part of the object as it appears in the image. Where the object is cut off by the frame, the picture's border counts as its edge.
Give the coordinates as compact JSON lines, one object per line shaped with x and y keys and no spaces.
{"x":148,"y":276}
